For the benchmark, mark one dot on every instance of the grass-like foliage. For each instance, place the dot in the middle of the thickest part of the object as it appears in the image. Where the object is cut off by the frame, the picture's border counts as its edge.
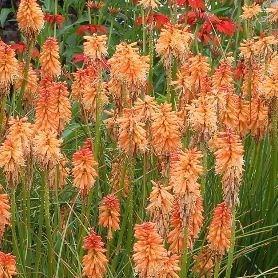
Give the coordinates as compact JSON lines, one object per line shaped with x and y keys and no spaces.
{"x":138,"y":139}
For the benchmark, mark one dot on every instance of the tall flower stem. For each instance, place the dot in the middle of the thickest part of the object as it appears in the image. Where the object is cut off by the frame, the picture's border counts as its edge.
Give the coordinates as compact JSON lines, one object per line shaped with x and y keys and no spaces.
{"x":184,"y":260}
{"x":14,"y":233}
{"x":144,"y":183}
{"x":232,"y":247}
{"x":217,"y":268}
{"x":168,"y":82}
{"x":25,"y":72}
{"x":151,"y":54}
{"x":274,"y":155}
{"x":144,"y":30}
{"x":46,"y":201}
{"x":55,"y":13}
{"x":110,"y":32}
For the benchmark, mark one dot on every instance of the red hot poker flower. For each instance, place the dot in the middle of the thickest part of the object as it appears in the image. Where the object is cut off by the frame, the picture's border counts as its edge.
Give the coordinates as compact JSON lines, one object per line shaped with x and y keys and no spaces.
{"x":89,"y":29}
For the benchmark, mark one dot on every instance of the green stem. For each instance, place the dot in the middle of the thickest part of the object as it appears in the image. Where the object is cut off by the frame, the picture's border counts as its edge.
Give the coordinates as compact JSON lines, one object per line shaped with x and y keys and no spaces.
{"x":2,"y":112}
{"x":217,"y":268}
{"x":110,"y":32}
{"x":89,"y":16}
{"x":144,"y":30}
{"x":151,"y":54}
{"x":184,"y":259}
{"x":39,"y":237}
{"x":14,"y":233}
{"x":55,"y":13}
{"x":25,"y":72}
{"x":168,"y":83}
{"x":144,"y":184}
{"x":274,"y":156}
{"x":46,"y":201}
{"x":232,"y":247}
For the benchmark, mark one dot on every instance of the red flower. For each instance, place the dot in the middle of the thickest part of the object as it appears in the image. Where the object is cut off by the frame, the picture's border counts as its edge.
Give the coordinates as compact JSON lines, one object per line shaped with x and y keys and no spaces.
{"x":157,"y":19}
{"x":19,"y":48}
{"x":54,"y":18}
{"x":90,"y":29}
{"x":35,"y":53}
{"x":226,"y":27}
{"x":195,"y":4}
{"x":79,"y":57}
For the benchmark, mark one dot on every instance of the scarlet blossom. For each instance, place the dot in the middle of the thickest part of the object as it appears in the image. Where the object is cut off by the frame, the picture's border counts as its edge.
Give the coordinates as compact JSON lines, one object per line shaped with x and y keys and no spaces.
{"x":195,"y":4}
{"x":89,"y":29}
{"x":158,"y":20}
{"x":79,"y":58}
{"x":35,"y":53}
{"x":19,"y":47}
{"x":54,"y":18}
{"x":226,"y":27}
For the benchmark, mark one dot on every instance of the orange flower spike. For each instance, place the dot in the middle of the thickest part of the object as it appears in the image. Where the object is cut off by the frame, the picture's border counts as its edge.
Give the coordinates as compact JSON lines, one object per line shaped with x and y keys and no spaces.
{"x":174,"y":41}
{"x":5,"y":214}
{"x":176,"y":237}
{"x":21,"y":130}
{"x":259,"y":117}
{"x":95,"y":261}
{"x":49,"y":58}
{"x":219,"y":234}
{"x":8,"y":67}
{"x":132,"y":135}
{"x":30,"y":18}
{"x":160,"y":206}
{"x":223,"y":75}
{"x":128,"y":67}
{"x":84,"y":170}
{"x":60,"y":96}
{"x":11,"y":158}
{"x":272,"y":12}
{"x":171,"y":266}
{"x":165,"y":130}
{"x":109,"y":214}
{"x":47,"y":148}
{"x":202,"y":116}
{"x":149,"y":253}
{"x":7,"y":265}
{"x":145,"y":108}
{"x":228,"y":151}
{"x":146,"y":4}
{"x":95,"y":47}
{"x":250,"y":11}
{"x":83,"y":79}
{"x":204,"y":262}
{"x":196,"y":219}
{"x":185,"y":172}
{"x":46,"y":117}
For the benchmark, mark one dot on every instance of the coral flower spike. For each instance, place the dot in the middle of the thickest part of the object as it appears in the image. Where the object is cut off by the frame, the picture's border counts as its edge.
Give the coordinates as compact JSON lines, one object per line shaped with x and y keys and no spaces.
{"x":7,"y":265}
{"x":30,"y":18}
{"x":219,"y":235}
{"x":8,"y":67}
{"x":109,"y":214}
{"x":50,"y":64}
{"x":149,"y":253}
{"x":95,"y":261}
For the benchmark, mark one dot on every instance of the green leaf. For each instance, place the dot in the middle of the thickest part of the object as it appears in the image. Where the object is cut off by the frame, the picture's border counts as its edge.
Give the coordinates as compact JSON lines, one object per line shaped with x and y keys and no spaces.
{"x":3,"y":16}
